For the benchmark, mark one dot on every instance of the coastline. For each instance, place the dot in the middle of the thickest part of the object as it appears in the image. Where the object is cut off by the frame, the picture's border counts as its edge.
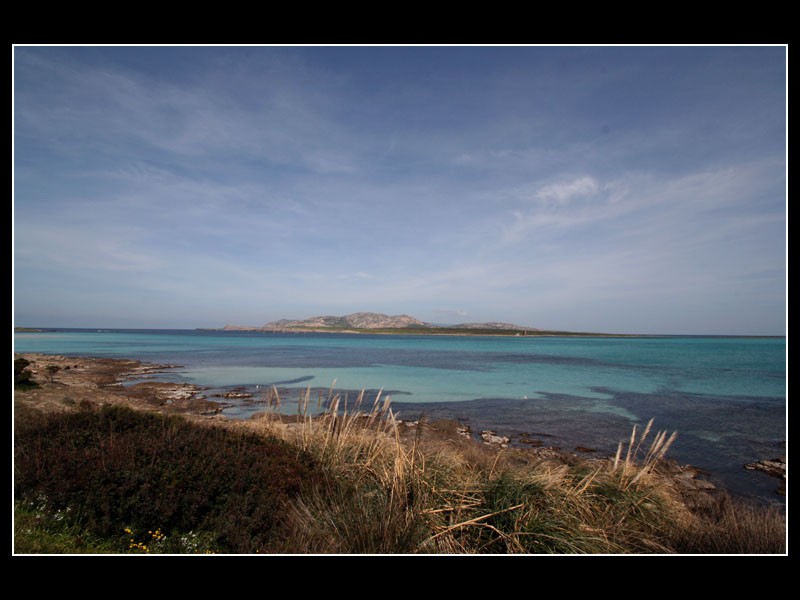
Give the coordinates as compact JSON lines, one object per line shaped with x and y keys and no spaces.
{"x":88,"y":381}
{"x":588,"y":494}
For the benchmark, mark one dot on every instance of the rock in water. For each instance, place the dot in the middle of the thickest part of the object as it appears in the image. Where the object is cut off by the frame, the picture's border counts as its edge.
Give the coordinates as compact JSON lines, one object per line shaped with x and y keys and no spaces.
{"x":775,"y":467}
{"x":491,"y":438}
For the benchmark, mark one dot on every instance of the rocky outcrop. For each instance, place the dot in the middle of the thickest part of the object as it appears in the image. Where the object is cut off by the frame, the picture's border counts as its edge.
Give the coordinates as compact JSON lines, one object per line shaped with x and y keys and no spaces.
{"x":492,"y":439}
{"x":775,"y":467}
{"x":697,"y":492}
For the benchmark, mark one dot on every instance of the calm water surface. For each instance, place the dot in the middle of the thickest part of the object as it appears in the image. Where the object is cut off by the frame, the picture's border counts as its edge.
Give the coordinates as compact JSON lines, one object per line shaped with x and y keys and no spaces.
{"x":726,"y":397}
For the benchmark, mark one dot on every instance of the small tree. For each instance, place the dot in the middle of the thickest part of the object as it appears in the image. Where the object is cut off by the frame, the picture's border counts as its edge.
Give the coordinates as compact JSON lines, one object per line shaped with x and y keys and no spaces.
{"x":22,"y":375}
{"x":51,"y":371}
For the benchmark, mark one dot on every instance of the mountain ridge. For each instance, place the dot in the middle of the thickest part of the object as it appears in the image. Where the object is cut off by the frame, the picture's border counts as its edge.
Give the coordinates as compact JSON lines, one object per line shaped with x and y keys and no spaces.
{"x":369,"y":320}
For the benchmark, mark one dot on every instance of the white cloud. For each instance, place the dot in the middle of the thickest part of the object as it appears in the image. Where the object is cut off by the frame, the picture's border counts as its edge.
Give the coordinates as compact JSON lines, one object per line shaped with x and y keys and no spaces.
{"x":698,"y":206}
{"x":562,"y":193}
{"x":279,"y":123}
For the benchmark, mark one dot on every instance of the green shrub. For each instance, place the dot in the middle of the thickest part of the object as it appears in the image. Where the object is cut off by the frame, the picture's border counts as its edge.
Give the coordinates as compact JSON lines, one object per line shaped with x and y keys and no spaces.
{"x":38,"y":532}
{"x":51,"y":371}
{"x":117,"y":468}
{"x":22,"y":375}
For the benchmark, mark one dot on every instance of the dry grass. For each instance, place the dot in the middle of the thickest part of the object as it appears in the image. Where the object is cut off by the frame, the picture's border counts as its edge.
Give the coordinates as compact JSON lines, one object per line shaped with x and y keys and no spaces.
{"x":388,"y":495}
{"x":632,"y":469}
{"x":734,"y":527}
{"x":376,"y":489}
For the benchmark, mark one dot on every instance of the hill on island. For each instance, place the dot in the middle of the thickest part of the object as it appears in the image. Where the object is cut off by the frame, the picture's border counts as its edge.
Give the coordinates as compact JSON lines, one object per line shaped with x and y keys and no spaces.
{"x":358,"y":320}
{"x":370,"y":320}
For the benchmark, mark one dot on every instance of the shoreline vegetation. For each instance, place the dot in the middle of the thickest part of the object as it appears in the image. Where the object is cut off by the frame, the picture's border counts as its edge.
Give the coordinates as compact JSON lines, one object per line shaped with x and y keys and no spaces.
{"x":108,"y":463}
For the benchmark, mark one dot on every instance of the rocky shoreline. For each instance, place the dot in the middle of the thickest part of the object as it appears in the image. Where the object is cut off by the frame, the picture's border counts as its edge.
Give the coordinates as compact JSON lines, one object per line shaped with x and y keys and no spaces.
{"x":775,"y":467}
{"x":63,"y":383}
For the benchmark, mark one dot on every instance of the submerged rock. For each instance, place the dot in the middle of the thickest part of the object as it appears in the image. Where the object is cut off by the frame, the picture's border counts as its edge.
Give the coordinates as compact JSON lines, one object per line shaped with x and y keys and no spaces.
{"x":235,"y":394}
{"x":531,"y":442}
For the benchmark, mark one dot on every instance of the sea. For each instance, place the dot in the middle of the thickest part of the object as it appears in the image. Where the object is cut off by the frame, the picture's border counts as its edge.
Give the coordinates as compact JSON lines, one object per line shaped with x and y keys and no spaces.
{"x":726,"y":397}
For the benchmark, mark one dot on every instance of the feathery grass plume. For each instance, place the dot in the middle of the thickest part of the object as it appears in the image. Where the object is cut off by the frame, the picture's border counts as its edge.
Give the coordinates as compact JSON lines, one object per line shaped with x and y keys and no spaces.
{"x":273,"y":400}
{"x":330,"y":395}
{"x":375,"y":415}
{"x":617,"y":457}
{"x":302,"y":402}
{"x":630,"y":447}
{"x":654,"y":455}
{"x":643,"y":436}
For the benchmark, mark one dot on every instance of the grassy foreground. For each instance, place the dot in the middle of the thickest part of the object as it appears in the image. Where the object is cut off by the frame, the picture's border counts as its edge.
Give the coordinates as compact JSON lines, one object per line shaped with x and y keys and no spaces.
{"x":111,"y":480}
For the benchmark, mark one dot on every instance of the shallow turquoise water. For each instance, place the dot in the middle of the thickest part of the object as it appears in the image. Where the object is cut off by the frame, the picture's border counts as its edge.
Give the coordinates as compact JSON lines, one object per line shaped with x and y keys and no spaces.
{"x":447,"y":368}
{"x":726,"y":397}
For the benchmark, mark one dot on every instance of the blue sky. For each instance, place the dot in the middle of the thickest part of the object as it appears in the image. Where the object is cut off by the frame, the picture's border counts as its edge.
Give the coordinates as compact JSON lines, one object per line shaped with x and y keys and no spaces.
{"x":608,"y":189}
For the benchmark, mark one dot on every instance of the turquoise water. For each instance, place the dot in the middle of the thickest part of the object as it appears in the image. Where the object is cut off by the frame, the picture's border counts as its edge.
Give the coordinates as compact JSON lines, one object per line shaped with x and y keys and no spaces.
{"x":726,"y":397}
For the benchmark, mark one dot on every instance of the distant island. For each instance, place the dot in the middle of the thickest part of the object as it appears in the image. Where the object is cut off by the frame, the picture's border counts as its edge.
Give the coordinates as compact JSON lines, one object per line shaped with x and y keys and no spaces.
{"x":369,"y":322}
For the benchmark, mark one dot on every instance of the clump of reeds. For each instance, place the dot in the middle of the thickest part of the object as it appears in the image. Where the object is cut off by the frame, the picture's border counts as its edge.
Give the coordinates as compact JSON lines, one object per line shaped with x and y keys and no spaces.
{"x":339,"y":431}
{"x":370,"y":502}
{"x":384,"y":495}
{"x":631,"y":469}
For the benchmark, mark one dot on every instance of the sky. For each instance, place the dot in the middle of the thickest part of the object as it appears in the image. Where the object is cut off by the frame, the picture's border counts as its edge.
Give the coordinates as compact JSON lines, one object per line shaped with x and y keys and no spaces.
{"x":618,"y":189}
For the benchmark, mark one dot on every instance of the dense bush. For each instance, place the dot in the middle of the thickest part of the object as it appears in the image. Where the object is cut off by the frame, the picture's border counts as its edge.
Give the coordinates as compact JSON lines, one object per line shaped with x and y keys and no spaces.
{"x":116,"y":468}
{"x":22,"y":375}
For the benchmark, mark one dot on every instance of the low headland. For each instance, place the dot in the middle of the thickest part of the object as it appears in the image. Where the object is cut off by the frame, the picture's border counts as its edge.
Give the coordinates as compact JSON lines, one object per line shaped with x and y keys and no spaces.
{"x":110,"y":460}
{"x":381,"y":324}
{"x":378,"y":323}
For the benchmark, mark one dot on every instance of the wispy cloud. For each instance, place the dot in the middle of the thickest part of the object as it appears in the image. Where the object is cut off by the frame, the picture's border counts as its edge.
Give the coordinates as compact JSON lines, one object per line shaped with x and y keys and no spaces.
{"x":649,"y":205}
{"x":70,"y":249}
{"x":512,"y":184}
{"x":561,"y":193}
